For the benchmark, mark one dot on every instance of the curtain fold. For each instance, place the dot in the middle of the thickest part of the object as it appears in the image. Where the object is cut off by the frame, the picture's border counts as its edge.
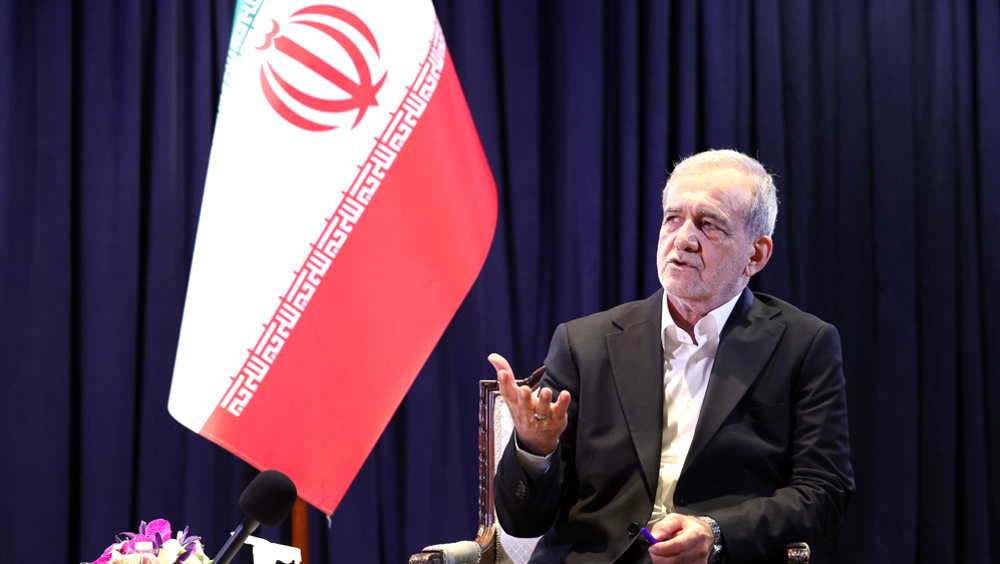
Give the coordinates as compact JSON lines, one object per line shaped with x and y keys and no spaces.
{"x":880,"y":119}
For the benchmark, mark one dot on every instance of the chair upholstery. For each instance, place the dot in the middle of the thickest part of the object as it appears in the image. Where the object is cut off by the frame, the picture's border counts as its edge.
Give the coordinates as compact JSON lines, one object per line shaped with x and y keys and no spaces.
{"x":492,"y":544}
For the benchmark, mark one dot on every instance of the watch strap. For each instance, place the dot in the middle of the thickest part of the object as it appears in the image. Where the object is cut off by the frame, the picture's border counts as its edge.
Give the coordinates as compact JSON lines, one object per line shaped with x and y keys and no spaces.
{"x":716,"y":557}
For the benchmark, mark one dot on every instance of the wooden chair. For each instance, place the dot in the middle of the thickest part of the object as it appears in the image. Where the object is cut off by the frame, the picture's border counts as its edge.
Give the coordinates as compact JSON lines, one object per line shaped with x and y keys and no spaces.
{"x":492,"y":544}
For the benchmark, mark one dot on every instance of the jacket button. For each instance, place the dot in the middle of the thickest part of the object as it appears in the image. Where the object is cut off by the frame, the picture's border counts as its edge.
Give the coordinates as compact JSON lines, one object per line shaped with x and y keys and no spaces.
{"x":633,"y":530}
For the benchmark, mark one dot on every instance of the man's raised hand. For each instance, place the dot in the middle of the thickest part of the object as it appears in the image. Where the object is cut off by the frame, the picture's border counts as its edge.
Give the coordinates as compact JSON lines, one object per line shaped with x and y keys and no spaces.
{"x":539,"y":420}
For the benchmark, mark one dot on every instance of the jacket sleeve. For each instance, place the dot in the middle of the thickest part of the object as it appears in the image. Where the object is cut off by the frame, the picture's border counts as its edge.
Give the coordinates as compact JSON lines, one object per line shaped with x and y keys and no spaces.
{"x":526,"y":507}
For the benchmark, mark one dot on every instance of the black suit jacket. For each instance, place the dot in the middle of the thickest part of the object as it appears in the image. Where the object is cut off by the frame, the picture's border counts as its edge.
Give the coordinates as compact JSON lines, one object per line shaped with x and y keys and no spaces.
{"x":769,"y":460}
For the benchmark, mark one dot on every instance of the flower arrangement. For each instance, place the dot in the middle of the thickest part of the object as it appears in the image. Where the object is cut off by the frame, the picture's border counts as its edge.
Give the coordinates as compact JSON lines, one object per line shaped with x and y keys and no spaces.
{"x":153,"y":545}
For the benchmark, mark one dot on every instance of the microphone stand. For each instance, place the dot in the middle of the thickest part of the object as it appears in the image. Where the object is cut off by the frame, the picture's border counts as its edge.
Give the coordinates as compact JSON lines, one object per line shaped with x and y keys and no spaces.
{"x":236,"y":542}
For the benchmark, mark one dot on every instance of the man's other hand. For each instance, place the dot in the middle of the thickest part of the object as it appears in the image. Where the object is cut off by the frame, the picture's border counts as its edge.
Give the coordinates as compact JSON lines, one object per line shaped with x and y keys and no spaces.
{"x":538,"y":435}
{"x":690,"y":541}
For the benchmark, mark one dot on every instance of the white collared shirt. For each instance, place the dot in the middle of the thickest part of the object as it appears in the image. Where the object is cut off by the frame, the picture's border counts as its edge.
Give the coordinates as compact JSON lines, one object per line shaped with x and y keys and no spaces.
{"x":686,"y":371}
{"x":687,"y":366}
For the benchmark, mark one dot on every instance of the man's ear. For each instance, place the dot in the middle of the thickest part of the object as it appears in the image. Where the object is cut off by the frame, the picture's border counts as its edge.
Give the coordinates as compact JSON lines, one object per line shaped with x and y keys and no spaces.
{"x":762,"y":247}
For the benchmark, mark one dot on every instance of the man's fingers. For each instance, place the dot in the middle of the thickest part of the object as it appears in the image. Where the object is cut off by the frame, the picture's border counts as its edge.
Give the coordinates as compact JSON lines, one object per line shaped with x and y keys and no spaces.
{"x":544,"y":405}
{"x":499,"y":363}
{"x":665,"y":529}
{"x":505,"y":378}
{"x":547,"y":409}
{"x":561,"y":406}
{"x":525,"y":400}
{"x":668,"y":526}
{"x":521,"y":400}
{"x":689,"y":540}
{"x":545,"y":396}
{"x":677,"y":546}
{"x":508,"y":388}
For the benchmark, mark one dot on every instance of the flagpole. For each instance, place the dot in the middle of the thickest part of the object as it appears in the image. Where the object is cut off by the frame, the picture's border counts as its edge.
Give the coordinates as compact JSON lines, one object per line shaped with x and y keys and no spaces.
{"x":300,"y":528}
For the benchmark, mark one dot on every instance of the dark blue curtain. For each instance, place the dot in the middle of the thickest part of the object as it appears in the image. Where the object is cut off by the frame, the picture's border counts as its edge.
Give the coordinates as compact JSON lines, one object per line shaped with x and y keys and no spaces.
{"x":880,"y":118}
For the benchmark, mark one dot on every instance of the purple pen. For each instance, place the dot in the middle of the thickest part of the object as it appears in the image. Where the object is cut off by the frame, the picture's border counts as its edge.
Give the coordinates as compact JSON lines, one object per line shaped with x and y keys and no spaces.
{"x":648,"y":535}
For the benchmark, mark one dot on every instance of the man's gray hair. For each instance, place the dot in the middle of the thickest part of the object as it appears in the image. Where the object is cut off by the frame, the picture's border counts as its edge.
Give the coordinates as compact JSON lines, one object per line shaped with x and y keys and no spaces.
{"x":759,"y":217}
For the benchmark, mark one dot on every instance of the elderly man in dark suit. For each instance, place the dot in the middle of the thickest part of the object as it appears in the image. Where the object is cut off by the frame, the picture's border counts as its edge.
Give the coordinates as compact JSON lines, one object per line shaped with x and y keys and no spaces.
{"x":711,"y":415}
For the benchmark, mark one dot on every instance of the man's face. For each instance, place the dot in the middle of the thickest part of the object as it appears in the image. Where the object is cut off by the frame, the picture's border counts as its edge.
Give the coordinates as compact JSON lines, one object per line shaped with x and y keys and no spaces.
{"x":703,"y":250}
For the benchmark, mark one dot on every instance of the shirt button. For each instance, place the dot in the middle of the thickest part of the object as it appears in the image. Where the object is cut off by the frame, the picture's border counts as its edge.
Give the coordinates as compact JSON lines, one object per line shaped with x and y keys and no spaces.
{"x":690,"y":404}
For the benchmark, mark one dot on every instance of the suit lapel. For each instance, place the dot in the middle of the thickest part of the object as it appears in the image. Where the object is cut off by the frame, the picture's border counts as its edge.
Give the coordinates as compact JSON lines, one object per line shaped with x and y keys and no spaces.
{"x":635,"y":350}
{"x":745,"y":346}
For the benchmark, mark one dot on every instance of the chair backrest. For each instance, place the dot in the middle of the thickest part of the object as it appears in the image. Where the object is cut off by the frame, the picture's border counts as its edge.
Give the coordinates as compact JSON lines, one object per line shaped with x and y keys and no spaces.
{"x":496,"y":426}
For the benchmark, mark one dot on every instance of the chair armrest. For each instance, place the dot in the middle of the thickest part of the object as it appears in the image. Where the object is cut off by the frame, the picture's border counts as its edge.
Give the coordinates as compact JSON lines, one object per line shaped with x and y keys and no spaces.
{"x":797,"y":553}
{"x":462,"y":552}
{"x":480,"y":551}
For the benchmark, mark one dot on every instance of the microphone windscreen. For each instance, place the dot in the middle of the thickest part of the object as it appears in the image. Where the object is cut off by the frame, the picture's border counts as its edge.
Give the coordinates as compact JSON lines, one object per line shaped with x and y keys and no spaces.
{"x":269,"y":498}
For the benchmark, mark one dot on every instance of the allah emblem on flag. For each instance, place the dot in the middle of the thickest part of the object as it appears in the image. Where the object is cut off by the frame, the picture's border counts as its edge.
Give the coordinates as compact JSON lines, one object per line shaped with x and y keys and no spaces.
{"x":286,"y":51}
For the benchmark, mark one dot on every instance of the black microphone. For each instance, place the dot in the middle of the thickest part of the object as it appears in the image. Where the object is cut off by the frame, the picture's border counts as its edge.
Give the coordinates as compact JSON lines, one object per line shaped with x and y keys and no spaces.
{"x":266,"y":501}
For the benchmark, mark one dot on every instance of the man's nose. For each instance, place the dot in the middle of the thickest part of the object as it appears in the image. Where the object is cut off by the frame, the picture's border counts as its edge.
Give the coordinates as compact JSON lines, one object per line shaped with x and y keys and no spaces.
{"x":686,"y":239}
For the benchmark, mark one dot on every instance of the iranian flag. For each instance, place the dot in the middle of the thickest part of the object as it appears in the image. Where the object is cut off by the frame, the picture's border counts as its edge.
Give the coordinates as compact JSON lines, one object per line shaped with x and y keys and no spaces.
{"x":348,"y":209}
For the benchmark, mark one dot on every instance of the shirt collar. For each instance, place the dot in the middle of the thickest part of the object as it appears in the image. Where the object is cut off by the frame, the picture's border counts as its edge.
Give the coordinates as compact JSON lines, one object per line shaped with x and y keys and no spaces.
{"x":709,"y":326}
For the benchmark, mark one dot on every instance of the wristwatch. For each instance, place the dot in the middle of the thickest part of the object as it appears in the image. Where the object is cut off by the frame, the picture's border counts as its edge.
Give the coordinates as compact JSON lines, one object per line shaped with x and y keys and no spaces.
{"x":716,"y":557}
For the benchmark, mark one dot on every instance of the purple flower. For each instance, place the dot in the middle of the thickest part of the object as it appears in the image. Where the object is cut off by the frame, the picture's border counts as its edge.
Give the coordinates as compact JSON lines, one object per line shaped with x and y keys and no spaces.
{"x":157,"y":533}
{"x":182,"y":535}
